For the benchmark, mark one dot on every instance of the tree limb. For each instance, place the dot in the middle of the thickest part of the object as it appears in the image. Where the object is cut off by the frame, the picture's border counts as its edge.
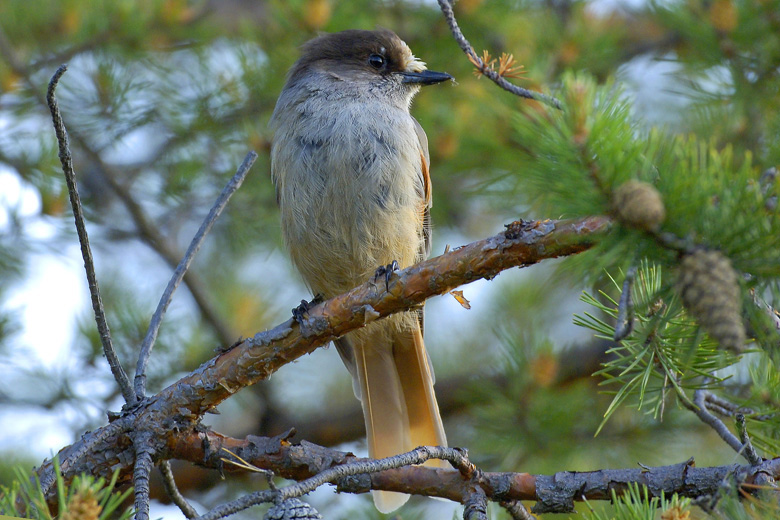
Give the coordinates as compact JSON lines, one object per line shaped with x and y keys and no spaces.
{"x":173,"y":492}
{"x":180,"y":406}
{"x":86,"y":252}
{"x":553,"y":493}
{"x":484,"y":69}
{"x":156,"y":321}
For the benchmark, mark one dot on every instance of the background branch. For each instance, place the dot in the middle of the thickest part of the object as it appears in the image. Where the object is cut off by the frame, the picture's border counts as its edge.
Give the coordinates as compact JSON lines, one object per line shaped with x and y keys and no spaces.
{"x":86,"y":252}
{"x":154,"y":326}
{"x":495,"y":77}
{"x":147,"y":229}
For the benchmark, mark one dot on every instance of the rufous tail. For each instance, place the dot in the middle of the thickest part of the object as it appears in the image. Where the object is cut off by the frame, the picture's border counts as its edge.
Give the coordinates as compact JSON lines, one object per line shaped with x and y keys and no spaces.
{"x":399,"y":405}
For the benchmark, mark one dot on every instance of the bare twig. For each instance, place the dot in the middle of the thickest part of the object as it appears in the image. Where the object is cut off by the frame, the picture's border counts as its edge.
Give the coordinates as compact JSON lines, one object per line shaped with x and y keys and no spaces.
{"x":170,"y":487}
{"x":747,"y":447}
{"x":475,"y":506}
{"x":142,"y":470}
{"x":699,"y":407}
{"x":517,"y":510}
{"x":449,"y":16}
{"x":625,"y":318}
{"x":161,"y":244}
{"x":363,"y":467}
{"x":97,"y":303}
{"x":154,"y":326}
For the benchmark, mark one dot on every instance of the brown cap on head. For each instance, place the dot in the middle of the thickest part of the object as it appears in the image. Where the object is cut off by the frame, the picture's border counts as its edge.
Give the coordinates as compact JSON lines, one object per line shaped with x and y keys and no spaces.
{"x":378,"y":52}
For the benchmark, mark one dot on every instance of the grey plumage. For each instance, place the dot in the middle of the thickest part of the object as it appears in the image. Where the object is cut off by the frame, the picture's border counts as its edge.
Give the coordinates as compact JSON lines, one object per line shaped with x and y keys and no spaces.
{"x":350,"y":166}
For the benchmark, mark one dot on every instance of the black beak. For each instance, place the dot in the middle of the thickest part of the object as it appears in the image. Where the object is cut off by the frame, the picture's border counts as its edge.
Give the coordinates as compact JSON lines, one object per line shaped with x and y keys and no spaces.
{"x":426,"y":77}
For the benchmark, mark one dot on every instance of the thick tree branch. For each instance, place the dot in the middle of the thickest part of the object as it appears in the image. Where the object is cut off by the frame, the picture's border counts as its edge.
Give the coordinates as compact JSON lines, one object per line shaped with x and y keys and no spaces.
{"x":180,"y":406}
{"x":553,"y":493}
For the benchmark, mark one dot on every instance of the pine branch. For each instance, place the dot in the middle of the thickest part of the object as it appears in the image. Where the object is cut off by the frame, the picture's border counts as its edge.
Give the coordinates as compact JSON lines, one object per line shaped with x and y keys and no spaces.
{"x":156,"y":321}
{"x":554,"y":493}
{"x":483,"y":67}
{"x":170,"y":487}
{"x":86,"y":252}
{"x":183,"y":403}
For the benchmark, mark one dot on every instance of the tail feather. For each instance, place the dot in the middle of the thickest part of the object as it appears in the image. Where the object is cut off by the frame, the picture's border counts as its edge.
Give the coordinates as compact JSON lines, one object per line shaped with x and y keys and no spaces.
{"x":399,"y":404}
{"x":416,"y":376}
{"x":384,"y":411}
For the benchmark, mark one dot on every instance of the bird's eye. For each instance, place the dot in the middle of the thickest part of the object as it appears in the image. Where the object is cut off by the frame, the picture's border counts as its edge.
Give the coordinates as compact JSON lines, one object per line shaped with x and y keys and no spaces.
{"x":377,"y":61}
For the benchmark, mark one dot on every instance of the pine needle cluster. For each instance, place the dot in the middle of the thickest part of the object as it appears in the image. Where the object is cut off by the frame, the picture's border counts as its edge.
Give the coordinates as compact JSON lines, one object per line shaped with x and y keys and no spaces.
{"x":87,"y":498}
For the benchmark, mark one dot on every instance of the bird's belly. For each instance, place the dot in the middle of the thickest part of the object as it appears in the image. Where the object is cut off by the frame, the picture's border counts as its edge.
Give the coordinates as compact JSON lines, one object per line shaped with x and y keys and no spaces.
{"x":350,"y":195}
{"x":342,"y":241}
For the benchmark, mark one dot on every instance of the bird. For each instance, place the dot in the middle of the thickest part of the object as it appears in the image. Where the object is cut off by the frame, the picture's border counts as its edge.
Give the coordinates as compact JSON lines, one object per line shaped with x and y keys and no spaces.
{"x":350,"y":166}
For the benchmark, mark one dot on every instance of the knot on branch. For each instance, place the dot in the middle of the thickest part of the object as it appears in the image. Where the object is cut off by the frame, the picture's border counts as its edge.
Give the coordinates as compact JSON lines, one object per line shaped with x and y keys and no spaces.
{"x":360,"y":483}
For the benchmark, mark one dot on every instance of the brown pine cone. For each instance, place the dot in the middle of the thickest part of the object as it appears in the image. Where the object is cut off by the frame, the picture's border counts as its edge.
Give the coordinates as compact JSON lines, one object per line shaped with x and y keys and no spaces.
{"x":710,"y":292}
{"x":638,"y":204}
{"x":292,"y":509}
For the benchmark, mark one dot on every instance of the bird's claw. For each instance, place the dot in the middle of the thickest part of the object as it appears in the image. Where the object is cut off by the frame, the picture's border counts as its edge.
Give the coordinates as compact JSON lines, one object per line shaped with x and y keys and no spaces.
{"x":299,"y":313}
{"x":386,"y":272}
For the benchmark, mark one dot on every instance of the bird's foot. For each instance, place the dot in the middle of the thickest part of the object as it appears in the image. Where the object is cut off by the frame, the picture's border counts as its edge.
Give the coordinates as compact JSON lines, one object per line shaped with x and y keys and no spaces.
{"x":299,"y":313}
{"x":386,"y":272}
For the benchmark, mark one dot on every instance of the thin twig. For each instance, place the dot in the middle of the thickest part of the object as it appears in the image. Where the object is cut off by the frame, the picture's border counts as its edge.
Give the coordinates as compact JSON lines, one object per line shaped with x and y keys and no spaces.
{"x":699,"y":407}
{"x":170,"y":487}
{"x":161,"y":244}
{"x":154,"y":326}
{"x":414,"y":457}
{"x":517,"y":510}
{"x":475,"y":506}
{"x":747,"y":447}
{"x":449,"y":16}
{"x":624,"y":323}
{"x":97,"y":303}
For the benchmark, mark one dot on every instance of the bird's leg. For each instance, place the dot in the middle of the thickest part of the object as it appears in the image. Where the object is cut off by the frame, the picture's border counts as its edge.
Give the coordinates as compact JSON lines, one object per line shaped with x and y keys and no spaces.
{"x":386,"y":271}
{"x":299,"y":313}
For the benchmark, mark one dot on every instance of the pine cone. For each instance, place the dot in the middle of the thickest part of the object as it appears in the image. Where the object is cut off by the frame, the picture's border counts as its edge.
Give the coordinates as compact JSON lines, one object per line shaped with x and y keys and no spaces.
{"x":82,"y":506}
{"x":292,"y":509}
{"x":709,"y":289}
{"x":639,"y":204}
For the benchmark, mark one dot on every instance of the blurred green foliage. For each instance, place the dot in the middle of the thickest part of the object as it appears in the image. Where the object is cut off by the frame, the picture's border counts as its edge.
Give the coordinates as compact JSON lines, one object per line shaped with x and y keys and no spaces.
{"x":164,"y":97}
{"x":86,"y":497}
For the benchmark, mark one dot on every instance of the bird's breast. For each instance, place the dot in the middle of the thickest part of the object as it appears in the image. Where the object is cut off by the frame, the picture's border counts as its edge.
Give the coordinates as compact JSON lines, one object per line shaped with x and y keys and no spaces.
{"x":348,"y":177}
